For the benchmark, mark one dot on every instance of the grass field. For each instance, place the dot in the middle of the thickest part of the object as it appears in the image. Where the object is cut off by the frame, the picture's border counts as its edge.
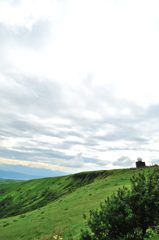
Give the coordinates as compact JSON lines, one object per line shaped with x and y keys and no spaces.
{"x":35,"y":208}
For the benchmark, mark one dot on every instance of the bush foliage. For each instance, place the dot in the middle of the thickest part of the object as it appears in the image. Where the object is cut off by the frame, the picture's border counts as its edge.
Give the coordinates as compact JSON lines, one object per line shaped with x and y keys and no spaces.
{"x":127,"y":214}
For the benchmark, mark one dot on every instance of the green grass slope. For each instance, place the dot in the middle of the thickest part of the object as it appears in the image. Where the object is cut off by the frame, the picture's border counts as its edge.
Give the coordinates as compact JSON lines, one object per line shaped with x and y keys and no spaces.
{"x":35,"y":208}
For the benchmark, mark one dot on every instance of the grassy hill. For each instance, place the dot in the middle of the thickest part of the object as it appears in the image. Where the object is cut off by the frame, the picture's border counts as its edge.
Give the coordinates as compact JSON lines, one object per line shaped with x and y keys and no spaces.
{"x":35,"y":208}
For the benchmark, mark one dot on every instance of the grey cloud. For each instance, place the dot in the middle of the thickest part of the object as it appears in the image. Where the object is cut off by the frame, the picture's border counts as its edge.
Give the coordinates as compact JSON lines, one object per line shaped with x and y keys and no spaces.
{"x":28,"y":95}
{"x":33,"y":38}
{"x":152,"y":111}
{"x":155,"y":161}
{"x":67,"y":144}
{"x":26,"y":129}
{"x":36,"y":37}
{"x":131,"y":135}
{"x":123,"y":161}
{"x":80,"y":161}
{"x":32,"y":95}
{"x":14,"y":2}
{"x":29,"y":153}
{"x":96,"y":161}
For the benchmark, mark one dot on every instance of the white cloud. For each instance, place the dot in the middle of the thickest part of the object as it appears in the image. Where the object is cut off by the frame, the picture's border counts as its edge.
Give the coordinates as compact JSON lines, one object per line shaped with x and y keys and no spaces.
{"x":28,"y":12}
{"x":116,"y":41}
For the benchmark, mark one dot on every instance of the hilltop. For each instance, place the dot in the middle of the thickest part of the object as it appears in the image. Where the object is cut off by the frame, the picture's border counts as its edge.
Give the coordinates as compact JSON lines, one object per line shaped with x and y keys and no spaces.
{"x":35,"y":208}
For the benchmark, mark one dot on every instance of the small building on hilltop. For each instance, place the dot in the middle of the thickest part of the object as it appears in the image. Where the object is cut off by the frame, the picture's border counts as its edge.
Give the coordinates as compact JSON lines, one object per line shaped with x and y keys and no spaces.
{"x":140,"y":163}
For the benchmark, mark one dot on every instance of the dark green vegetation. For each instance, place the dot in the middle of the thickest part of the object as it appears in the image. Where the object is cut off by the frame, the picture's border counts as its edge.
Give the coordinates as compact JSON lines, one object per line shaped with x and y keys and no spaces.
{"x":35,"y":208}
{"x":128,"y":213}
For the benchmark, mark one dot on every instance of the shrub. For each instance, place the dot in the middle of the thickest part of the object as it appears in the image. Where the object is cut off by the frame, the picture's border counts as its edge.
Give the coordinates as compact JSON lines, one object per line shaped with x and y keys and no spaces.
{"x":128,"y":213}
{"x":151,"y":234}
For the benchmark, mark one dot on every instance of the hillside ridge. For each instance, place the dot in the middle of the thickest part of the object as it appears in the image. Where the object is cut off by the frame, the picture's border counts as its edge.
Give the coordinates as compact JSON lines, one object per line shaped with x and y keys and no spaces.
{"x":24,"y":196}
{"x":49,"y":205}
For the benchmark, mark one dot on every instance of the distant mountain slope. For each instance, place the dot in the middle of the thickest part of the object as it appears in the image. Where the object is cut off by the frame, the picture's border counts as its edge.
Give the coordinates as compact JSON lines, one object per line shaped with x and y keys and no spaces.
{"x":25,"y":172}
{"x":64,"y":199}
{"x":15,"y":175}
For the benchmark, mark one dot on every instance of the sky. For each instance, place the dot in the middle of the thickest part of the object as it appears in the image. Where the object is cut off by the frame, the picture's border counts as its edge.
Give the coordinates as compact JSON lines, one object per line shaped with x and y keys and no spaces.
{"x":79,"y":83}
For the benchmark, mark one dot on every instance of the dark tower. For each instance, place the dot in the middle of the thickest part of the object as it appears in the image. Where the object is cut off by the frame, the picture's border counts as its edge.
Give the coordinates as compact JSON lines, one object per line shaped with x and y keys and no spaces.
{"x":140,"y":163}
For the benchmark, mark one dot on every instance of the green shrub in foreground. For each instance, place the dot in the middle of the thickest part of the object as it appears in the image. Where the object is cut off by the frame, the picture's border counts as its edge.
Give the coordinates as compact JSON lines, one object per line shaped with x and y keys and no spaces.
{"x":127,"y":214}
{"x":151,"y":234}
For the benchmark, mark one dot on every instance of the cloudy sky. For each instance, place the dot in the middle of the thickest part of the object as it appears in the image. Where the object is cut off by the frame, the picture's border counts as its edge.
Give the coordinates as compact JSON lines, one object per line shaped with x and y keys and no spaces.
{"x":79,"y":83}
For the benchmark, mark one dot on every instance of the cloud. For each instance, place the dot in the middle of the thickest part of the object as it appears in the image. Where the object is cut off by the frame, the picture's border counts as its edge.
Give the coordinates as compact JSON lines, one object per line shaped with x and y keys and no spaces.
{"x":155,"y":161}
{"x":32,"y":38}
{"x":75,"y":92}
{"x":124,"y":161}
{"x":25,"y":14}
{"x":54,"y":129}
{"x":37,"y":95}
{"x":34,"y":164}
